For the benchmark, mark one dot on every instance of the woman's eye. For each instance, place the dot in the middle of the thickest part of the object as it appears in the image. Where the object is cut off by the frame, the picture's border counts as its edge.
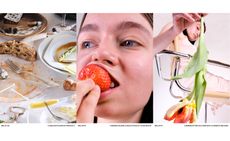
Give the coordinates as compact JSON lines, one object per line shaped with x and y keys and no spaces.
{"x":129,"y":43}
{"x":87,"y":44}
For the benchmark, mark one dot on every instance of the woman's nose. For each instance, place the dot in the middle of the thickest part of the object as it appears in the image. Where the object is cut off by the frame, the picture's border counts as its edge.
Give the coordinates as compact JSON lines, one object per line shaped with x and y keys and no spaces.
{"x":106,"y":55}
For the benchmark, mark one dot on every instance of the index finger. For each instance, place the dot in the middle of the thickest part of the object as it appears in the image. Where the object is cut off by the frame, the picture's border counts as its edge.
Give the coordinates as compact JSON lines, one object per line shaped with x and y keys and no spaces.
{"x":82,"y":89}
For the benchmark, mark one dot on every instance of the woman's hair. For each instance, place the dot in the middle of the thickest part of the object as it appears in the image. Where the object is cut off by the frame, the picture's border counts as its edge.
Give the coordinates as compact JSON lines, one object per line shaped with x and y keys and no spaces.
{"x":147,"y":114}
{"x":149,"y":18}
{"x":185,"y":32}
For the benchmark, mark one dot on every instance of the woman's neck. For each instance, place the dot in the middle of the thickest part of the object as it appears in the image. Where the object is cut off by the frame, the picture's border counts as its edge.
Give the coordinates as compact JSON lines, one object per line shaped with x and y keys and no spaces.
{"x":132,"y":118}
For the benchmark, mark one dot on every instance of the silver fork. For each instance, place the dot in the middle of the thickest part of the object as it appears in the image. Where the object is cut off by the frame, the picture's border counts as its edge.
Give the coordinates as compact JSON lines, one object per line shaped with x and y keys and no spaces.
{"x":57,"y":117}
{"x":18,"y":70}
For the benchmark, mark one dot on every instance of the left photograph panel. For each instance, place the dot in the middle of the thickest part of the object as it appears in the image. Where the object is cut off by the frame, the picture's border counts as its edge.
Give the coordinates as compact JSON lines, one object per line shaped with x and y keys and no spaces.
{"x":37,"y":67}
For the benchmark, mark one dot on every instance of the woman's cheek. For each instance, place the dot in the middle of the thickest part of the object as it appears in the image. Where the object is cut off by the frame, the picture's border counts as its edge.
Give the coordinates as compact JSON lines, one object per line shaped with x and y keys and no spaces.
{"x":143,"y":69}
{"x":81,"y":62}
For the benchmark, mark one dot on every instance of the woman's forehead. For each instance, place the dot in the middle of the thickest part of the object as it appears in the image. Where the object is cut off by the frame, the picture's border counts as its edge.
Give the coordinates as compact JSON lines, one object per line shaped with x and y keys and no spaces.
{"x":134,"y":16}
{"x":113,"y":19}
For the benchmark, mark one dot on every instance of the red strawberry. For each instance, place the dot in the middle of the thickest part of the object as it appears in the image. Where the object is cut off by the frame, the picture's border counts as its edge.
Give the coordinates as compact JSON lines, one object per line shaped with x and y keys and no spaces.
{"x":99,"y":75}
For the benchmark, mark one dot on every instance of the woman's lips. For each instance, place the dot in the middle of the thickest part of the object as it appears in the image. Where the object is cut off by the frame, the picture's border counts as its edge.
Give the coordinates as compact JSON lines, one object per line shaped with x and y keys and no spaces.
{"x":107,"y":93}
{"x":113,"y":86}
{"x":114,"y":83}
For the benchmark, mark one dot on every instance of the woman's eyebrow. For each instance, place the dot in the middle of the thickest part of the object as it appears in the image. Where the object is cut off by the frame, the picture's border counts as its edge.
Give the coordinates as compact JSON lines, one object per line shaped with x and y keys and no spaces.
{"x":89,"y":27}
{"x":122,"y":26}
{"x":129,"y":24}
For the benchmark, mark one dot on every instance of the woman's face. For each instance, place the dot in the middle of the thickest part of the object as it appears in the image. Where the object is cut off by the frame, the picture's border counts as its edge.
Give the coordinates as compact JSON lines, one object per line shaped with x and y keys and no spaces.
{"x":123,"y":45}
{"x":194,"y":31}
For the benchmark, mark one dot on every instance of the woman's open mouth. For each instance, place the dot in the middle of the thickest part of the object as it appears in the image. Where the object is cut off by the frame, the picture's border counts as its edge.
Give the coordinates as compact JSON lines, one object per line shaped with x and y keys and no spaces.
{"x":114,"y":83}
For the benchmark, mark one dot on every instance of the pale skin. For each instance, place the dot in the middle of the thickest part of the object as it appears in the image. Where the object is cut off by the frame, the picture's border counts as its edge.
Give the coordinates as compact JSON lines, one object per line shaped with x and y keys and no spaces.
{"x":108,"y":54}
{"x":194,"y":31}
{"x":122,"y":44}
{"x":181,"y":44}
{"x":181,"y":21}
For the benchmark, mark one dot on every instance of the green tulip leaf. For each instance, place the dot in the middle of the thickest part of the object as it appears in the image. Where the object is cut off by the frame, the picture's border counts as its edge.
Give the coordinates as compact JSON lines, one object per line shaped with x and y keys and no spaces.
{"x":197,"y":67}
{"x":200,"y":86}
{"x":197,"y":62}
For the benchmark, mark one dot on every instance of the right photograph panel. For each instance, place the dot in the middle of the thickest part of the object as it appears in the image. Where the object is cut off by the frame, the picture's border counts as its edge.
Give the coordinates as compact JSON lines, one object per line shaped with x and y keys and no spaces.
{"x":191,"y":68}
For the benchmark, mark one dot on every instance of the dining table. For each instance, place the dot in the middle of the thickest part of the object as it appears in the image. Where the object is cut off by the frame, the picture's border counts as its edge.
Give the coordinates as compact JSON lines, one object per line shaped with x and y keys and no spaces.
{"x":54,"y":91}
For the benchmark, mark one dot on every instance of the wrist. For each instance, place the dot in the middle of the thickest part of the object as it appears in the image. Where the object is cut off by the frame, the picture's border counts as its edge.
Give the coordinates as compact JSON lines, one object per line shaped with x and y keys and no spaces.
{"x":175,"y":31}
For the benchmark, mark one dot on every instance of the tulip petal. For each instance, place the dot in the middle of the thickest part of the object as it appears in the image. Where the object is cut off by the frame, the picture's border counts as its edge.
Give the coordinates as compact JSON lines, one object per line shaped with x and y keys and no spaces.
{"x":172,"y":112}
{"x":184,"y":116}
{"x":193,"y":118}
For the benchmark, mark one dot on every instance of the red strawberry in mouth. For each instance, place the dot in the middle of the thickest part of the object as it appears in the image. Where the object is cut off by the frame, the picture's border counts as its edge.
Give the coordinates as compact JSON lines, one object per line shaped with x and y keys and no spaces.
{"x":99,"y":75}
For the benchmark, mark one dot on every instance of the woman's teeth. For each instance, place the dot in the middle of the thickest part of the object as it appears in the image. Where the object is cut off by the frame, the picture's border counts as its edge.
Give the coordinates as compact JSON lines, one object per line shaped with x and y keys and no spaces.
{"x":112,"y":85}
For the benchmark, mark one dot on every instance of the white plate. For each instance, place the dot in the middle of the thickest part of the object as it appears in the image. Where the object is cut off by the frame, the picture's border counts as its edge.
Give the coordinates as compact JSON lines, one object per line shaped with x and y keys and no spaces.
{"x":23,"y":29}
{"x":47,"y":48}
{"x":42,"y":115}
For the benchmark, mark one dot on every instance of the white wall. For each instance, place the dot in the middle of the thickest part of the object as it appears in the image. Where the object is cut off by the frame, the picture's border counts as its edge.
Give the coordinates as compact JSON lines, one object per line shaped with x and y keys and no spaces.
{"x":217,"y":41}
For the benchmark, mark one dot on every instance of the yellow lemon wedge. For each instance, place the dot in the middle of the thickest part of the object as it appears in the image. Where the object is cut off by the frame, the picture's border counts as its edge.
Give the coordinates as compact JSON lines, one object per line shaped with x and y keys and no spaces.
{"x":41,"y":104}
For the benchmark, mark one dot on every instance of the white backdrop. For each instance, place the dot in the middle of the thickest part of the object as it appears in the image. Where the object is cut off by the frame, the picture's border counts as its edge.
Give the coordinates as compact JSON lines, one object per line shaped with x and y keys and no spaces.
{"x":217,"y":41}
